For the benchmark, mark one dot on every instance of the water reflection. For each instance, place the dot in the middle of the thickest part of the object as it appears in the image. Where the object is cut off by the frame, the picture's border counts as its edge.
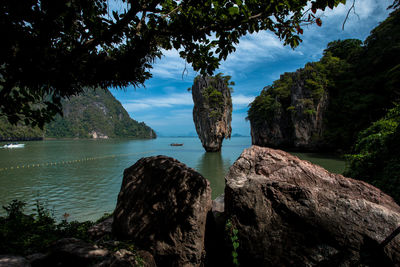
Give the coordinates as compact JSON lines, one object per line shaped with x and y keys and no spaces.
{"x":214,"y":167}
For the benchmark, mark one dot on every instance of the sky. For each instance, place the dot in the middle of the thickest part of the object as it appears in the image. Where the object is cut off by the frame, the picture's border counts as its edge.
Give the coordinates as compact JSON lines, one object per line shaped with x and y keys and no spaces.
{"x":165,"y":105}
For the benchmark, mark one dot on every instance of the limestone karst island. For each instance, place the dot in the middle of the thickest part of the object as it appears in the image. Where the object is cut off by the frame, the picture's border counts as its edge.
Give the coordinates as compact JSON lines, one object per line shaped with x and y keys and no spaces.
{"x":200,"y":133}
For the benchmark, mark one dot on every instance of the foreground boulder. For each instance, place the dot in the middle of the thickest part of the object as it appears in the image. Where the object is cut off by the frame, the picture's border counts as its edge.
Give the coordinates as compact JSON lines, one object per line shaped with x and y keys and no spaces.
{"x":162,"y":207}
{"x":13,"y":261}
{"x":212,"y":111}
{"x":290,"y":212}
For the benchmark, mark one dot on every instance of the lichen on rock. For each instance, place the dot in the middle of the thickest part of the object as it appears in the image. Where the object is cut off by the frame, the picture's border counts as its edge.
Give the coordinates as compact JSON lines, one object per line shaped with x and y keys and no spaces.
{"x":212,"y":111}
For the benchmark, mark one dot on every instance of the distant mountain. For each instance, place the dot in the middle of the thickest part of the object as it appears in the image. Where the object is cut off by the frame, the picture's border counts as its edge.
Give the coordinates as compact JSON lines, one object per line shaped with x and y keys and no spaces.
{"x":239,"y":135}
{"x":94,"y":114}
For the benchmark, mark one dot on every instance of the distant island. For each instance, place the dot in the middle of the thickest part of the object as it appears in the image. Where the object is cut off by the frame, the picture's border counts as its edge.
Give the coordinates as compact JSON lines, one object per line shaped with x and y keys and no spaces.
{"x":239,"y":135}
{"x":94,"y":114}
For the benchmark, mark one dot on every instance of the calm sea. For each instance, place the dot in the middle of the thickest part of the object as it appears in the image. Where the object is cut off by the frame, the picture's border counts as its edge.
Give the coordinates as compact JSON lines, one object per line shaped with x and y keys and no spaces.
{"x":83,"y":177}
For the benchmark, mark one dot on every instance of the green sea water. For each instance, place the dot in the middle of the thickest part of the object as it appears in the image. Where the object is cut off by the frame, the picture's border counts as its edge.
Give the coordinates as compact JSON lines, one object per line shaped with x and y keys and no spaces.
{"x":83,"y":177}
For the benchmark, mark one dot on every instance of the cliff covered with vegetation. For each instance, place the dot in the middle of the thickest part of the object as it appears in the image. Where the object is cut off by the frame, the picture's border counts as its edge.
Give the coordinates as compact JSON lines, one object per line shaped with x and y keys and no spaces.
{"x":94,"y":114}
{"x":212,"y":111}
{"x":348,"y":101}
{"x":327,"y":103}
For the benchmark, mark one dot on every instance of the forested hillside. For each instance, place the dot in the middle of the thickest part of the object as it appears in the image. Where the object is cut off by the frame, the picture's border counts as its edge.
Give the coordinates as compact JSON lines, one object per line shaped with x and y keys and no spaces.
{"x":18,"y":132}
{"x":95,"y":114}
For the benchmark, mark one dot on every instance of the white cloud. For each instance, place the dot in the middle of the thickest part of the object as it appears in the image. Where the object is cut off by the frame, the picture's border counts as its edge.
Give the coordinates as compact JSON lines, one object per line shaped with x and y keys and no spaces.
{"x":253,"y":48}
{"x":172,"y":66}
{"x":264,"y":47}
{"x":167,"y":101}
{"x":174,"y":100}
{"x":363,"y":9}
{"x":242,"y":100}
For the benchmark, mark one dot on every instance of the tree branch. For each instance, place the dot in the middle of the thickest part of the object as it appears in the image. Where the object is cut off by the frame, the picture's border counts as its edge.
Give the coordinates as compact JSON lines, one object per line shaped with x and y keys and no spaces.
{"x":139,"y":26}
{"x":114,"y":29}
{"x":172,"y":11}
{"x":256,"y":16}
{"x":348,"y":12}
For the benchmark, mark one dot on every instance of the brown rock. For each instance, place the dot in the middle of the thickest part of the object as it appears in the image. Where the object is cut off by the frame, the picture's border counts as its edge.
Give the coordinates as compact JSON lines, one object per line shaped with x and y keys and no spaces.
{"x":162,"y":207}
{"x":126,"y":258}
{"x":72,"y":252}
{"x":218,"y":204}
{"x":13,"y":261}
{"x":290,"y":212}
{"x":75,"y":252}
{"x":101,"y":229}
{"x":212,"y":111}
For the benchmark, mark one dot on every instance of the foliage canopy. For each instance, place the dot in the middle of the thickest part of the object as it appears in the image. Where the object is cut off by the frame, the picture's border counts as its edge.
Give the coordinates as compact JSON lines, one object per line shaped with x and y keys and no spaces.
{"x":376,"y":157}
{"x":54,"y":49}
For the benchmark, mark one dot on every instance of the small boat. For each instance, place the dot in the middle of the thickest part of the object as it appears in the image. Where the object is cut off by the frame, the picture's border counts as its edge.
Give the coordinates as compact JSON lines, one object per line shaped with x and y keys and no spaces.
{"x":13,"y":145}
{"x":176,"y":144}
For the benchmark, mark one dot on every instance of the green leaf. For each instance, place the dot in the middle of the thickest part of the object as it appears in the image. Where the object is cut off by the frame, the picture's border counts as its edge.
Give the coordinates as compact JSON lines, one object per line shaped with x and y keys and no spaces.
{"x":233,"y":10}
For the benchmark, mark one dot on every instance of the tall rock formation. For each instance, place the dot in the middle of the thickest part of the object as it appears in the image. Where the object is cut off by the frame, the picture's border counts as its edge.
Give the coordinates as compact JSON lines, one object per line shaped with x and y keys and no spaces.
{"x":290,"y":113}
{"x":212,"y":112}
{"x":289,"y":212}
{"x":327,"y":103}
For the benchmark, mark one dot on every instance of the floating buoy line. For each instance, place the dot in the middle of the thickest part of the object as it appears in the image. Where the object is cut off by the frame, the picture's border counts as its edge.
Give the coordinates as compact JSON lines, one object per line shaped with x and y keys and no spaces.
{"x":64,"y":162}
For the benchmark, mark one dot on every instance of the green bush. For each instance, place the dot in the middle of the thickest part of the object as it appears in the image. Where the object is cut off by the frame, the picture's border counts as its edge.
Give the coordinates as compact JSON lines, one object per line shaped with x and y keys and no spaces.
{"x":214,"y":97}
{"x":376,"y":157}
{"x":25,"y":234}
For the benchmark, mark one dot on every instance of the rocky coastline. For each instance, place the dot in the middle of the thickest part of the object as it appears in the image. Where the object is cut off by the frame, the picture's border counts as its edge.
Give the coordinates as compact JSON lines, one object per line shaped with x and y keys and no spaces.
{"x":277,"y":210}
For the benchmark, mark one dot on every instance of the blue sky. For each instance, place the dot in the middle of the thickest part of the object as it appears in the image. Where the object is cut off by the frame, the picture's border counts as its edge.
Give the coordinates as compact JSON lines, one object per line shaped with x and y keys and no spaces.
{"x":165,"y":104}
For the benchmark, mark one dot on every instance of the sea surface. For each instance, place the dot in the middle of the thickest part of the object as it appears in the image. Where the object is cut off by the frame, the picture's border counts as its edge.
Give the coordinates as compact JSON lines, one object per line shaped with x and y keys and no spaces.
{"x":83,"y":177}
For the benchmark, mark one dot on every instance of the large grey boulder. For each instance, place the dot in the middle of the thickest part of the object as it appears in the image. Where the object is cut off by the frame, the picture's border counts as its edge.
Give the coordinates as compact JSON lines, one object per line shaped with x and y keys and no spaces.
{"x":289,"y":212}
{"x":162,"y":207}
{"x":212,"y":111}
